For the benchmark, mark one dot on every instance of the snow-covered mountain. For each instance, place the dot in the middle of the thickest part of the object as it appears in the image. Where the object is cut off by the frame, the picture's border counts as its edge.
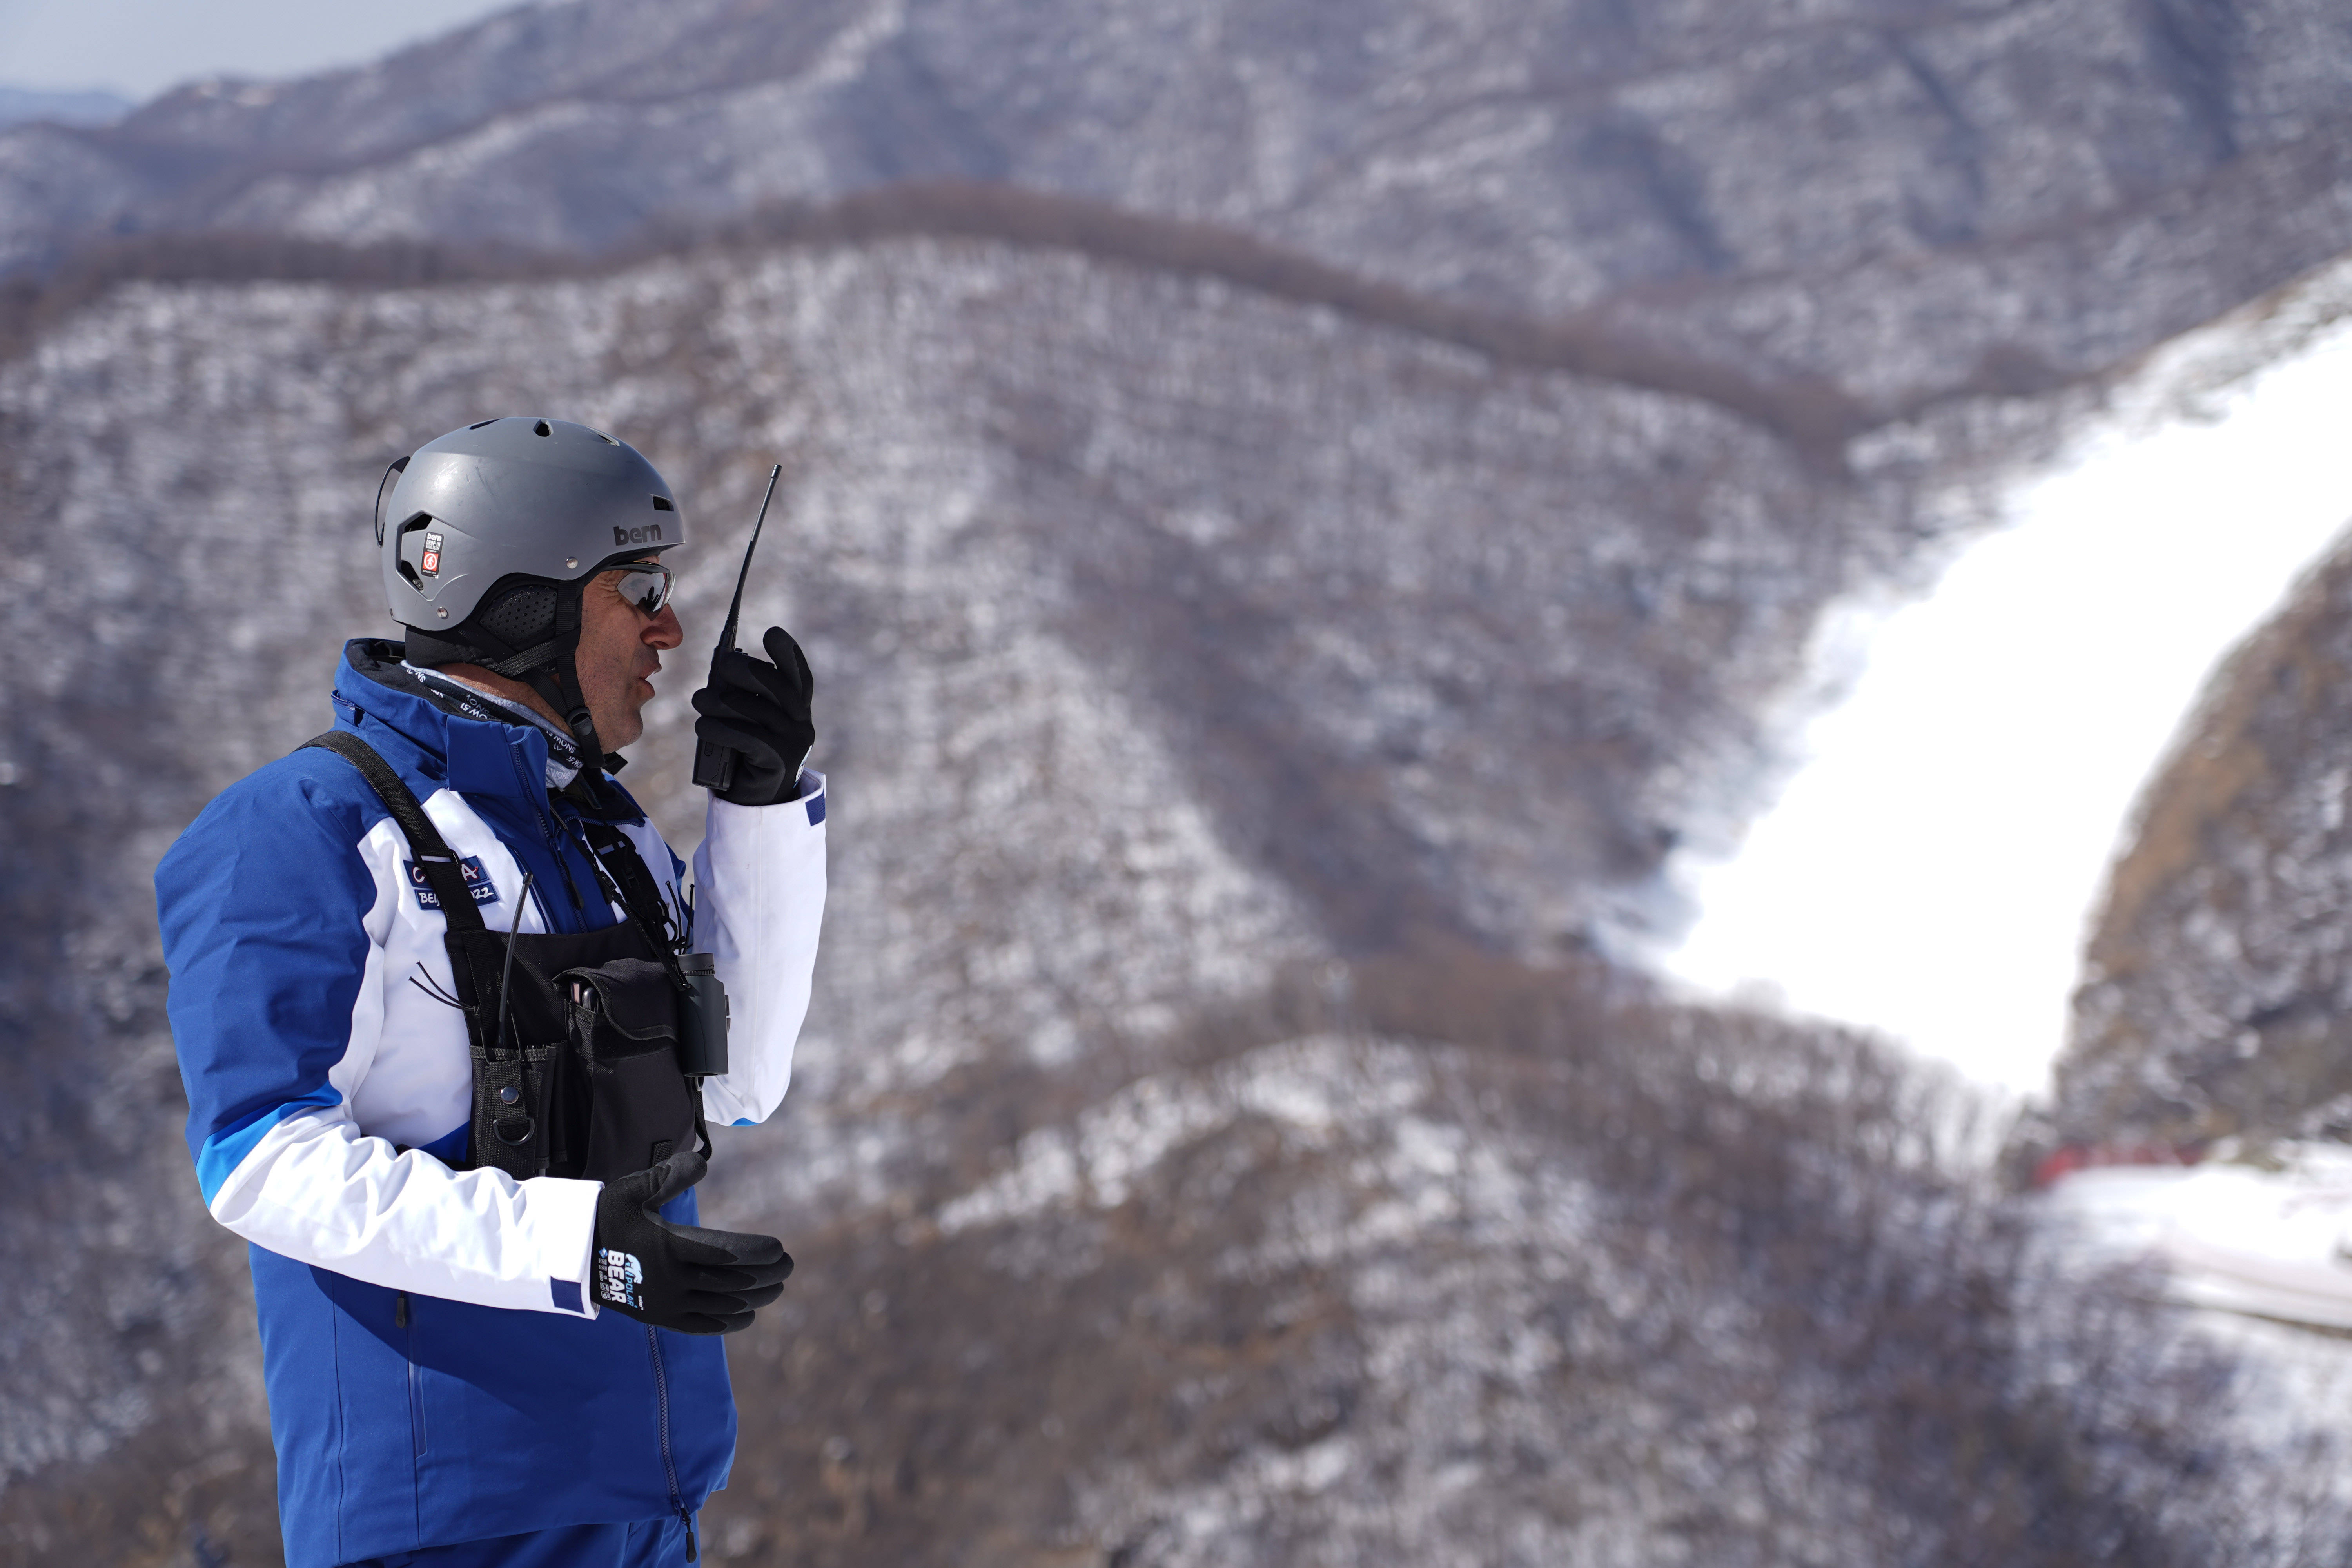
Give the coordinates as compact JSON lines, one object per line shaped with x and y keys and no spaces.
{"x":1906,"y":200}
{"x":2023,"y":702}
{"x":1272,"y":617}
{"x":2215,"y":977}
{"x":1182,"y":652}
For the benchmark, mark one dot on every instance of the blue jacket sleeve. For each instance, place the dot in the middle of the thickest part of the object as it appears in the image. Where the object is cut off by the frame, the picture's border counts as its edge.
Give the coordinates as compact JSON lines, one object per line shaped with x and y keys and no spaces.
{"x":263,"y":903}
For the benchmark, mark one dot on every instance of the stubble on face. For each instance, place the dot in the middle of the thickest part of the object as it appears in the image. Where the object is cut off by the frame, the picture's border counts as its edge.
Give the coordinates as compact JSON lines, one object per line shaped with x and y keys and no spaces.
{"x":620,"y":652}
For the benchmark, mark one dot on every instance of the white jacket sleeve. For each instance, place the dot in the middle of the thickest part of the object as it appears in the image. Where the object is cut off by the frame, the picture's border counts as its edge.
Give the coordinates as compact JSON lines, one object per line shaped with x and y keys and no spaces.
{"x":759,"y":901}
{"x":316,"y":1189}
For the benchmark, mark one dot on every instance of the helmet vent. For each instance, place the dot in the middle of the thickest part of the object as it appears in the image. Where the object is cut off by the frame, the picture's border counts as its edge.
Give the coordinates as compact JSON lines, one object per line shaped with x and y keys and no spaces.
{"x":477,"y":426}
{"x":606,"y":439}
{"x":661,"y":503}
{"x":542,"y":428}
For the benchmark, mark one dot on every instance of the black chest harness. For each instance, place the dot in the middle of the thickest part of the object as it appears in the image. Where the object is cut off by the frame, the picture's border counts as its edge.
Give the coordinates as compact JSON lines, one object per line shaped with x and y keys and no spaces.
{"x":588,"y":1048}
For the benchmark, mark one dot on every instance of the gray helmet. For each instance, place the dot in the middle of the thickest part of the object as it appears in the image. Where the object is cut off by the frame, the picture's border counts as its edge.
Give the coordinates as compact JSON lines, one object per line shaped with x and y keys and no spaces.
{"x":521,"y":497}
{"x":493,"y":530}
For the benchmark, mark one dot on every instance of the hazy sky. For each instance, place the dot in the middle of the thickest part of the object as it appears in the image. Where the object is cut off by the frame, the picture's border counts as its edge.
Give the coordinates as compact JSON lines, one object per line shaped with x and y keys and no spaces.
{"x":138,"y":47}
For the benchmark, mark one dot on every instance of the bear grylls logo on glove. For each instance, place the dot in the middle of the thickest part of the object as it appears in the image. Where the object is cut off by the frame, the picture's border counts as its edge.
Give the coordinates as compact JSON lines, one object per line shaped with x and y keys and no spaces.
{"x":684,"y":1278}
{"x":618,"y":1275}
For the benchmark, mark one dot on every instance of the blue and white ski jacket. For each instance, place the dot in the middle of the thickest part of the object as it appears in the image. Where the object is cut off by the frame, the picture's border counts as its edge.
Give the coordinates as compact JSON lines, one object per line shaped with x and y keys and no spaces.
{"x":436,"y":1366}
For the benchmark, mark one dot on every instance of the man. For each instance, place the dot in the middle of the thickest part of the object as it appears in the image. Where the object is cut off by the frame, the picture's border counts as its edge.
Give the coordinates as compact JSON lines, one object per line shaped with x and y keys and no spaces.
{"x":469,"y":1362}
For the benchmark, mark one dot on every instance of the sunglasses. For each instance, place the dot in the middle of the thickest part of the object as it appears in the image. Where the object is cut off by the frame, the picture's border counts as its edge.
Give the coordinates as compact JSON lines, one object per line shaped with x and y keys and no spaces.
{"x":644,"y":586}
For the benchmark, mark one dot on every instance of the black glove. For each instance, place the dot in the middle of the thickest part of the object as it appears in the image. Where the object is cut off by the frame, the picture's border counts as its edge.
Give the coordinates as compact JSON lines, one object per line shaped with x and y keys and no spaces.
{"x":759,"y":710}
{"x":679,"y":1277}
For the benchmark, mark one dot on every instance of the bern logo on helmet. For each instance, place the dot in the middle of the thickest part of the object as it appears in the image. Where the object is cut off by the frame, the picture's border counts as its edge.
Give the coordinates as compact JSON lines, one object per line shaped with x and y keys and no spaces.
{"x":431,"y":564}
{"x":649,"y":534}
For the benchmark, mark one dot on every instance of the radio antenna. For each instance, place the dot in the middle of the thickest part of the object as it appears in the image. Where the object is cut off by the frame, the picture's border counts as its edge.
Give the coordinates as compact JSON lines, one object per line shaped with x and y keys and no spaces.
{"x":506,"y":970}
{"x":714,"y":764}
{"x":735,"y":606}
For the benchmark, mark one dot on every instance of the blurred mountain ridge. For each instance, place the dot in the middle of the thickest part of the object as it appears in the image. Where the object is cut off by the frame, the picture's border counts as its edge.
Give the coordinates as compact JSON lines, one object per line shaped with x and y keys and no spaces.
{"x":2134,"y":167}
{"x":1808,"y":412}
{"x":92,"y":107}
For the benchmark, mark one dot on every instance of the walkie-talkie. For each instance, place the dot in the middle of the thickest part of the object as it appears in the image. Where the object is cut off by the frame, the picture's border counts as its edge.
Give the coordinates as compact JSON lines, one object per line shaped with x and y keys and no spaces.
{"x":714,"y":764}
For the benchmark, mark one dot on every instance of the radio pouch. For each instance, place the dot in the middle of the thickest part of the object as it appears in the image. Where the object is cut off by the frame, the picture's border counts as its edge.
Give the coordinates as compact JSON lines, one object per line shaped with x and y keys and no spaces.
{"x":574,"y":1036}
{"x":624,"y":1048}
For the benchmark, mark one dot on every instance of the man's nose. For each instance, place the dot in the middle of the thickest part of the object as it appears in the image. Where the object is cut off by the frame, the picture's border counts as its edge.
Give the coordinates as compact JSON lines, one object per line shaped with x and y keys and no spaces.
{"x":663,"y":630}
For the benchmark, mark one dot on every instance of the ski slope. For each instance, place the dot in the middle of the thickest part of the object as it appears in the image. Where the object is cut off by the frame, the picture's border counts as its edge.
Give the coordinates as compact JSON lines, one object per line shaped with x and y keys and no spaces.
{"x":1928,"y":869}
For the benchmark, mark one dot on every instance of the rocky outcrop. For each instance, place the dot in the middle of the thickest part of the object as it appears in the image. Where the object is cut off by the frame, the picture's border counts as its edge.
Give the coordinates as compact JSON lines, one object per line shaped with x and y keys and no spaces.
{"x":2216,"y":992}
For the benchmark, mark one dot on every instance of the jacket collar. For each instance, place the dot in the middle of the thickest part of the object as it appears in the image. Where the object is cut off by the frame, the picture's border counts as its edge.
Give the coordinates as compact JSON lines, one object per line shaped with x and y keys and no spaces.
{"x":385,"y":705}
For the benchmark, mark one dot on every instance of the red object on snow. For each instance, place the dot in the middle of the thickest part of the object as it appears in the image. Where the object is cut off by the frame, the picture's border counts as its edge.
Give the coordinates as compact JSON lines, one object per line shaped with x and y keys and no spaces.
{"x":2077,"y":1157}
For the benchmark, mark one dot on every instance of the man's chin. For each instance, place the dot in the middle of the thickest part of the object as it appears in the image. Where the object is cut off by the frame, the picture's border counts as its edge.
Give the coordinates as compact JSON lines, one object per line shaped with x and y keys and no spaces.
{"x":622,"y":733}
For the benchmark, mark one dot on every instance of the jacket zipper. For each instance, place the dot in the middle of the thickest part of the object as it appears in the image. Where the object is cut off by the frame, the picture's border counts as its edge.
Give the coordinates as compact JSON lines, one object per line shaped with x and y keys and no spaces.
{"x":400,"y":1319}
{"x":669,"y":1466}
{"x":555,"y":848}
{"x":531,"y":792}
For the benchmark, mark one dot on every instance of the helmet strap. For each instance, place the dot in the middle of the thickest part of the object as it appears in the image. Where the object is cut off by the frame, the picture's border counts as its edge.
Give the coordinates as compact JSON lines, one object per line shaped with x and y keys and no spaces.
{"x":549,"y":667}
{"x":555,"y":676}
{"x":550,"y":670}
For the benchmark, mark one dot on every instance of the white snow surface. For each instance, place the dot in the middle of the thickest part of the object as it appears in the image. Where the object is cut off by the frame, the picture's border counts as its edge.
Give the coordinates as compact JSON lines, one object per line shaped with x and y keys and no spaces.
{"x":1930,"y":866}
{"x":2258,"y":1255}
{"x":2265,"y":1240}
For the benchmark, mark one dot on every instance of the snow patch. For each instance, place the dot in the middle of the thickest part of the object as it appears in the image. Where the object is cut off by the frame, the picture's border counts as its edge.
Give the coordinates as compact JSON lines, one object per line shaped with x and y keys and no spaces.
{"x":1929,"y":868}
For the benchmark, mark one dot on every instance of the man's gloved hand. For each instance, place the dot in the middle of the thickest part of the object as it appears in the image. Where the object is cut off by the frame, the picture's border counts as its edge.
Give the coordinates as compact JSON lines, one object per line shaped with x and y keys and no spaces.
{"x":679,"y":1277}
{"x":759,"y":710}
